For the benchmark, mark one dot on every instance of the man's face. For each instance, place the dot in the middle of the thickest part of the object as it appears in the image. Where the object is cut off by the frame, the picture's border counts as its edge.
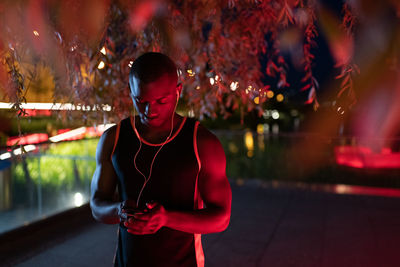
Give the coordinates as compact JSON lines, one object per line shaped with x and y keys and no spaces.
{"x":155,"y":101}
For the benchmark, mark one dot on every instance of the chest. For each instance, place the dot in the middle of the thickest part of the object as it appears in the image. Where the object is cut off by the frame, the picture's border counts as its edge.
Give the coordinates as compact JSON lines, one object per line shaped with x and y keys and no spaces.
{"x":171,"y":171}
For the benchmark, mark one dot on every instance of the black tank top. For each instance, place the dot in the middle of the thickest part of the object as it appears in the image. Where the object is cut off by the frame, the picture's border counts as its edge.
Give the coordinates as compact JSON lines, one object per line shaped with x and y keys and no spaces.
{"x":173,"y":184}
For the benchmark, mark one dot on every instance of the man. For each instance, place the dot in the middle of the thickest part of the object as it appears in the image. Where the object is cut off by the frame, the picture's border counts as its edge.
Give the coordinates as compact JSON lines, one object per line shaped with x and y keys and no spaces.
{"x":164,"y":168}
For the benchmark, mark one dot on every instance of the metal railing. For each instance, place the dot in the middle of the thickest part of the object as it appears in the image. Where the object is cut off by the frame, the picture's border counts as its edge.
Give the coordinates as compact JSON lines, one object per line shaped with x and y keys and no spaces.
{"x":55,"y":177}
{"x":47,"y":180}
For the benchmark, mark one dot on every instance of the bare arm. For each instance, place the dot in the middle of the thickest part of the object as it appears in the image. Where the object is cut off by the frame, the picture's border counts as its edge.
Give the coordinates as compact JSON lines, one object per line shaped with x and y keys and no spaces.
{"x":104,"y":182}
{"x":214,"y":189}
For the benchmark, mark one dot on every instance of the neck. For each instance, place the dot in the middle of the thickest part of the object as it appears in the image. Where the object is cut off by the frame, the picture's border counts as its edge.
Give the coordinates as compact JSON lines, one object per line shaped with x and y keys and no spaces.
{"x":158,"y":134}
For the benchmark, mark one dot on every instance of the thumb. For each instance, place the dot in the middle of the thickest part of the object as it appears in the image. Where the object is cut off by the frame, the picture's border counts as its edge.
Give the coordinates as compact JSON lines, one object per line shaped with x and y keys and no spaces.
{"x":151,"y":205}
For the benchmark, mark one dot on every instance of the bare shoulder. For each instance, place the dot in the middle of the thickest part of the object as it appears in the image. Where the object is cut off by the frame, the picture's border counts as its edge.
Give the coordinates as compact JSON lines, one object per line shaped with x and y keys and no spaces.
{"x":208,"y":144}
{"x":106,"y":143}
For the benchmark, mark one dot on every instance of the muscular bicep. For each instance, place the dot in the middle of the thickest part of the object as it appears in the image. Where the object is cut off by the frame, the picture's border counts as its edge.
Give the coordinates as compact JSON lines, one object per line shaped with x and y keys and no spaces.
{"x":213,"y":184}
{"x":104,"y":179}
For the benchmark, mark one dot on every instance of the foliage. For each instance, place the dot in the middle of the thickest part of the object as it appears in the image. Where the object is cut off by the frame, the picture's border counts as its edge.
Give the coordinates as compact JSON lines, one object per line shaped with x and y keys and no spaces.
{"x":217,"y":46}
{"x":58,"y":172}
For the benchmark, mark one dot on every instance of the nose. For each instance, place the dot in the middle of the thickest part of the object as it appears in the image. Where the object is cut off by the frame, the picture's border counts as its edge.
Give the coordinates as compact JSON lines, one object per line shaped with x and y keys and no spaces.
{"x":149,"y":109}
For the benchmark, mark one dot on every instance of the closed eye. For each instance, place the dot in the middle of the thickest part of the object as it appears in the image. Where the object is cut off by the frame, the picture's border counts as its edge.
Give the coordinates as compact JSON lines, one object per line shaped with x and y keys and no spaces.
{"x":163,"y":100}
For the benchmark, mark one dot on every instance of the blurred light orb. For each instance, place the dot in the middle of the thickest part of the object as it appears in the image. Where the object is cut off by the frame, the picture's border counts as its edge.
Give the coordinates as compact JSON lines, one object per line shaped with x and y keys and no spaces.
{"x":197,"y":87}
{"x":234,"y":86}
{"x":257,"y":100}
{"x":279,"y":97}
{"x":107,"y":108}
{"x":103,"y":51}
{"x":191,"y":113}
{"x":35,"y":33}
{"x":266,"y":128}
{"x":260,"y":128}
{"x":275,"y":114}
{"x":233,"y":148}
{"x":340,"y":110}
{"x":130,"y":64}
{"x":212,"y":81}
{"x":101,"y":65}
{"x":294,"y":113}
{"x":249,"y":140}
{"x":341,"y":189}
{"x":78,"y":199}
{"x":190,"y":72}
{"x":270,"y":94}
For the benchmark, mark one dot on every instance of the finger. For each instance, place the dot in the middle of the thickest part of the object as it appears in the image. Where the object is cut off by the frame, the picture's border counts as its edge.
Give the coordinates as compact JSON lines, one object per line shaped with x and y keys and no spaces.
{"x":135,"y":225}
{"x":131,"y":223}
{"x":140,"y":228}
{"x":127,"y":224}
{"x":143,"y":228}
{"x":142,"y":217}
{"x":151,"y":205}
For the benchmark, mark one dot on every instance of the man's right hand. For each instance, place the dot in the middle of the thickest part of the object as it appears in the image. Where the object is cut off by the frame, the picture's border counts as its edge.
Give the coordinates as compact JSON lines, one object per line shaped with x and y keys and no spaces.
{"x":127,"y":209}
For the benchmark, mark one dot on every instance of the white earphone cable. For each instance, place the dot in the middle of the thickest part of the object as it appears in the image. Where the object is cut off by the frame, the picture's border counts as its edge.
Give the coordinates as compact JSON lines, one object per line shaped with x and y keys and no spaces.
{"x":146,"y":179}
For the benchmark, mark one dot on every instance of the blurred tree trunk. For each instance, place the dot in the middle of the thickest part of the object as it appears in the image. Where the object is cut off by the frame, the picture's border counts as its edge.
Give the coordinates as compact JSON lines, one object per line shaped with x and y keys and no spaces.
{"x":29,"y":182}
{"x":77,"y":179}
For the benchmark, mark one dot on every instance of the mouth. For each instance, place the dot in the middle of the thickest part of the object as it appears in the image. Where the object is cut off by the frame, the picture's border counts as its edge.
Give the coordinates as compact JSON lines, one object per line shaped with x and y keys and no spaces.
{"x":151,"y":117}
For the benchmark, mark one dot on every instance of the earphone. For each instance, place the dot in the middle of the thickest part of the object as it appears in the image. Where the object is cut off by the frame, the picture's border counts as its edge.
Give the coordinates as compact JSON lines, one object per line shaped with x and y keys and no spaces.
{"x":146,"y":179}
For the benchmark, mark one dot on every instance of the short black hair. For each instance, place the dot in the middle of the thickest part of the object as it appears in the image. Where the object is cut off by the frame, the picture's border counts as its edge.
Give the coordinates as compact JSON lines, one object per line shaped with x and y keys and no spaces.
{"x":151,"y":66}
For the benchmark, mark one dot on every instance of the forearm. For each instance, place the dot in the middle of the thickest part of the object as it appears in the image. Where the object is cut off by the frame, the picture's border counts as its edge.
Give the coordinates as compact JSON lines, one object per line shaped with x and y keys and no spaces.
{"x":203,"y":221}
{"x":105,"y":211}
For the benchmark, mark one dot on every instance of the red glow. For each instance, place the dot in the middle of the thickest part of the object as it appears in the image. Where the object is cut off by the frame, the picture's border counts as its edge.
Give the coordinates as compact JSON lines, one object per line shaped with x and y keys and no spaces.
{"x":142,"y":14}
{"x":90,"y":132}
{"x":363,"y":190}
{"x":37,"y":138}
{"x":363,"y":157}
{"x":28,"y":139}
{"x":35,"y":112}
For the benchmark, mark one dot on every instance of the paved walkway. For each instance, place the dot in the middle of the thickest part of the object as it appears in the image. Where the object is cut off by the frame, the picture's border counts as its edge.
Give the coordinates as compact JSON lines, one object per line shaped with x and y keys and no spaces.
{"x":272,"y":227}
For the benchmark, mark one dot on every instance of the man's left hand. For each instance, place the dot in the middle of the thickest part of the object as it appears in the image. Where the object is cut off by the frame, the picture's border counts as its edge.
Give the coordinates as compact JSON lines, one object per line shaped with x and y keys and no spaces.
{"x":148,"y":222}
